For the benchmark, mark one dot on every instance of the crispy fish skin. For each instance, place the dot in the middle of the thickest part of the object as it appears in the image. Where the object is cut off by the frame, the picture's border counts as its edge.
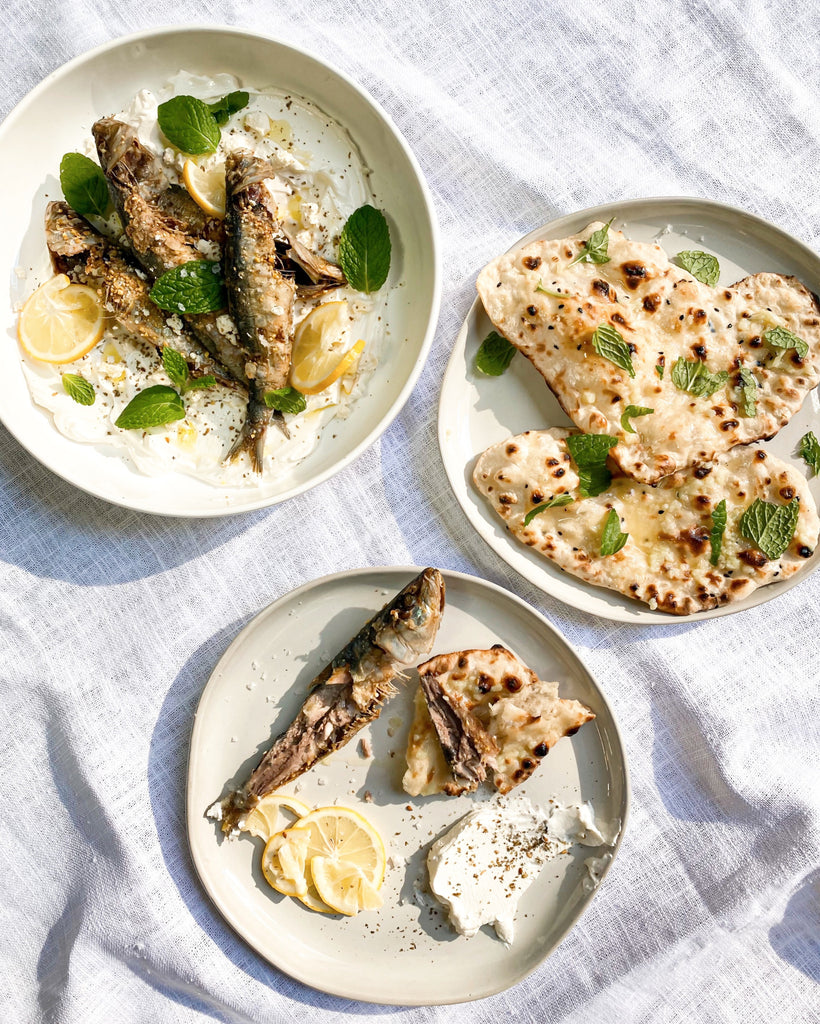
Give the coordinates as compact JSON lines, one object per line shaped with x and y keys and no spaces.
{"x":87,"y":257}
{"x":260,"y":296}
{"x":347,"y":694}
{"x":162,"y":227}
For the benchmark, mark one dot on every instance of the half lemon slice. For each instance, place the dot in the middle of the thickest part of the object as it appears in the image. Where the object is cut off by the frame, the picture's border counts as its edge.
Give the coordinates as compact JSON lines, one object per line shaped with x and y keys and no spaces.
{"x":61,"y":321}
{"x":322,"y":348}
{"x":206,"y":187}
{"x":270,"y":815}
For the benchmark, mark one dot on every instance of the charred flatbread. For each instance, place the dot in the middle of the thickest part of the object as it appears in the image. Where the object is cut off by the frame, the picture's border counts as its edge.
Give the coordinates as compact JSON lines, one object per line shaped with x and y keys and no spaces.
{"x":666,"y":559}
{"x":483,"y":714}
{"x":549,"y":304}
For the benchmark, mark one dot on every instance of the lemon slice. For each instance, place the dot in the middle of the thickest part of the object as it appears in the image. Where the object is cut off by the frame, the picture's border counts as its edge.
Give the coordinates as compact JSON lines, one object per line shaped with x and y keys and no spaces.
{"x":342,"y":835}
{"x":206,"y":187}
{"x":343,"y":887}
{"x":266,"y":819}
{"x":322,"y":352}
{"x":283,"y":864}
{"x":61,"y":321}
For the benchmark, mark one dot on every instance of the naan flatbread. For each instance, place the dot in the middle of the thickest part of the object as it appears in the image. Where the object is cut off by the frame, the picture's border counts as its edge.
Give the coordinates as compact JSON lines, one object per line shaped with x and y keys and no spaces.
{"x":489,"y":696}
{"x":662,"y":313}
{"x":665,"y":561}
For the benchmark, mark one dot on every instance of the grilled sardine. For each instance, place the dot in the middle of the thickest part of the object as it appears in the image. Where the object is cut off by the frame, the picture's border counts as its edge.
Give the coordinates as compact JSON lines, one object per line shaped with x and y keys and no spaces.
{"x":346,"y":695}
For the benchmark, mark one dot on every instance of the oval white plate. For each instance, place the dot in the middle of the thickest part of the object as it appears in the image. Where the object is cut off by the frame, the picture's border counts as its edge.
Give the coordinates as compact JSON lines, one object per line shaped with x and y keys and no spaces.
{"x":401,"y":954}
{"x":54,"y":119}
{"x":476,"y":411}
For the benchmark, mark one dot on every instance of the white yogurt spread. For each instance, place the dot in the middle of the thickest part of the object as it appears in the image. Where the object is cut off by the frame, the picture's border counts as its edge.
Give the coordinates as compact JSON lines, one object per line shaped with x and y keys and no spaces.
{"x":321,"y":179}
{"x":480,"y":868}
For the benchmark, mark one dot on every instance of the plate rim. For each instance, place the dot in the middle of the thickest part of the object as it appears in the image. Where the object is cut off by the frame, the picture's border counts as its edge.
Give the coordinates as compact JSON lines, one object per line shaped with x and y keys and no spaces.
{"x":191,"y":811}
{"x":627,"y":610}
{"x":149,"y":503}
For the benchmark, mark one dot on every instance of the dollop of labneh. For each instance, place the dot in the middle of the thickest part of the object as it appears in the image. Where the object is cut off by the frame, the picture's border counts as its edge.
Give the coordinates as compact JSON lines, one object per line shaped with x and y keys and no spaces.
{"x":480,"y":867}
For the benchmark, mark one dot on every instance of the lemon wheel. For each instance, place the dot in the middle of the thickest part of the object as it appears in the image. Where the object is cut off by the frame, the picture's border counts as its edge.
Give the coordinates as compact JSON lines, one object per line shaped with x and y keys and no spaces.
{"x":323,"y":349}
{"x":61,"y":321}
{"x":272,"y":814}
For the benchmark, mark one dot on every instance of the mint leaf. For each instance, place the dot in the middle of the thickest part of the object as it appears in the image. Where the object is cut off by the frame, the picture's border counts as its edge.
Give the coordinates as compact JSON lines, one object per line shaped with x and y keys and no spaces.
{"x":207,"y":380}
{"x":557,"y":502}
{"x":718,"y":529}
{"x":809,"y":451}
{"x":151,"y":408}
{"x":176,"y":367}
{"x":494,"y":355}
{"x":78,"y":388}
{"x":694,"y":377}
{"x":188,"y":124}
{"x":589,"y":453}
{"x":84,"y":185}
{"x":608,"y":343}
{"x":596,"y":246}
{"x":612,"y":540}
{"x":703,"y":266}
{"x":223,"y":109}
{"x":548,"y":291}
{"x":659,"y":370}
{"x":770,"y":527}
{"x":748,"y":392}
{"x":633,"y":411}
{"x":286,"y":400}
{"x":195,"y":287}
{"x":780,"y":337}
{"x":364,"y":249}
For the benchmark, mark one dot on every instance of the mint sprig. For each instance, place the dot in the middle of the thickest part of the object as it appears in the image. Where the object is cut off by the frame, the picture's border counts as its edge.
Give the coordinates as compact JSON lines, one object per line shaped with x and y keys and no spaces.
{"x":494,"y":355}
{"x":152,"y":407}
{"x":717,"y":531}
{"x":222,"y":110}
{"x":364,"y":249}
{"x":187,"y":123}
{"x":809,"y":451}
{"x":589,"y":453}
{"x":694,"y":377}
{"x":84,"y":185}
{"x":286,"y":400}
{"x":612,"y":540}
{"x":781,"y":337}
{"x":195,"y":287}
{"x":557,"y":502}
{"x":703,"y":266}
{"x":78,"y":388}
{"x":748,"y":392}
{"x":176,"y":367}
{"x":633,"y":411}
{"x":770,"y":527}
{"x":610,"y":344}
{"x":596,"y":247}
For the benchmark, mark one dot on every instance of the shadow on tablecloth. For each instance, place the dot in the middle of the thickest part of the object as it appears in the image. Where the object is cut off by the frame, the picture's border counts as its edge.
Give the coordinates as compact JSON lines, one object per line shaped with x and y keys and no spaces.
{"x":167,"y":771}
{"x":72,"y":536}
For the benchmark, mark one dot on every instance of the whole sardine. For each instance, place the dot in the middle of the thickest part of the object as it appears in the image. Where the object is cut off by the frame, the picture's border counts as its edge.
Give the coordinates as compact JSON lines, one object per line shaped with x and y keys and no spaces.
{"x":260,"y":296}
{"x":346,"y":695}
{"x":87,"y":257}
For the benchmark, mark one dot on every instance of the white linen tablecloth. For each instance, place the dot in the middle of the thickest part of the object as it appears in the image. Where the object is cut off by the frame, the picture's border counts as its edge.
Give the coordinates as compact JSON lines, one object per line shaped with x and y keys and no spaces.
{"x":111,"y":621}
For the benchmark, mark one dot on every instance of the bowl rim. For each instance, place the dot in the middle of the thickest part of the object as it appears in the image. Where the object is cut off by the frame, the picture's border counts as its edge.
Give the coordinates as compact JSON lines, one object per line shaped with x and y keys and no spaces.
{"x":64,"y":70}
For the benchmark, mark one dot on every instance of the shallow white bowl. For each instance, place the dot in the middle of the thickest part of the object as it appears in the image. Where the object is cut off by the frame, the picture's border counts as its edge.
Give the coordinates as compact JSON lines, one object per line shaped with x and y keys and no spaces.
{"x":57,"y":116}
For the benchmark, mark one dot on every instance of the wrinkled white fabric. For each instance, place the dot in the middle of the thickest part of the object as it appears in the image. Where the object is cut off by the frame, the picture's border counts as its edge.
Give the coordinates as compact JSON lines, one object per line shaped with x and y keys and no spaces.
{"x":111,"y":621}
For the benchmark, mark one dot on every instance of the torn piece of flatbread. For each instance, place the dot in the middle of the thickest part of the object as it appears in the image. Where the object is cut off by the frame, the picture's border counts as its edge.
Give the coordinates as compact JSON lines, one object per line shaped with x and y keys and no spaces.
{"x":483,"y":712}
{"x":662,"y":313}
{"x":666,"y":560}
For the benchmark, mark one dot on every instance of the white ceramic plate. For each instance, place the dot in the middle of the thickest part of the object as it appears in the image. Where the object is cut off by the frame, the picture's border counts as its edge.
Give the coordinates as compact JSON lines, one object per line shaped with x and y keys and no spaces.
{"x":55,"y":118}
{"x":476,"y":411}
{"x":402,"y":954}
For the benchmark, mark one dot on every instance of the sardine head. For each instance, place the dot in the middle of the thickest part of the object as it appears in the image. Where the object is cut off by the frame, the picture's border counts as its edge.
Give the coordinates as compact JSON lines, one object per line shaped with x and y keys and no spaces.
{"x":410,"y":623}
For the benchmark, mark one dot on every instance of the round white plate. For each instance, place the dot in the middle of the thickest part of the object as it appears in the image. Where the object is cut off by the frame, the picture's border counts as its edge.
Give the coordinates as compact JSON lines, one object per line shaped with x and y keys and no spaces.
{"x":402,"y":954}
{"x":476,"y":411}
{"x":55,"y":118}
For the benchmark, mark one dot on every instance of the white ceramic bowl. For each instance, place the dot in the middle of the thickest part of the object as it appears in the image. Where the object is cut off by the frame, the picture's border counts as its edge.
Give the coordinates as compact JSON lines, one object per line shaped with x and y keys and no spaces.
{"x":57,"y":115}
